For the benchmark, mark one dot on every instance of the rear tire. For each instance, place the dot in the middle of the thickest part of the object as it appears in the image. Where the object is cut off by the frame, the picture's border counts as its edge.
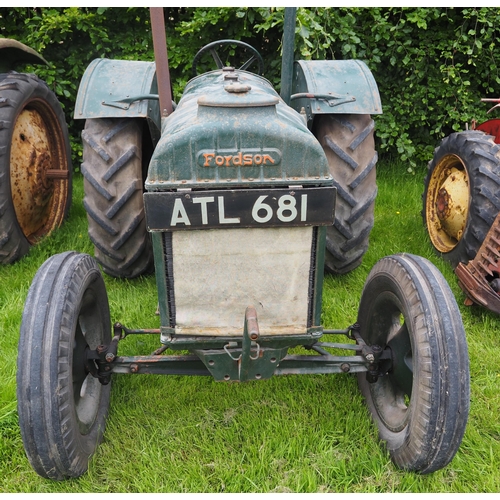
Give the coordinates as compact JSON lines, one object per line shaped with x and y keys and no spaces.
{"x":462,"y":194}
{"x":62,"y":408}
{"x":348,"y":142}
{"x":421,"y":404}
{"x":113,"y":182}
{"x":33,"y":140}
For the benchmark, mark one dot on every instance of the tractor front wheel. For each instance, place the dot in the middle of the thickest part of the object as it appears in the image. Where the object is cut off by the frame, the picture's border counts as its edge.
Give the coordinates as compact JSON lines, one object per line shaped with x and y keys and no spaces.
{"x":462,"y":194}
{"x":348,"y":142}
{"x":421,"y":403}
{"x":62,"y":407}
{"x":35,"y":164}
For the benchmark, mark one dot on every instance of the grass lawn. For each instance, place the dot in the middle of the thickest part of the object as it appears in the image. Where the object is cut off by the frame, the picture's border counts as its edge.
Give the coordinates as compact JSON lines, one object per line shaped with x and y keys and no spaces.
{"x":288,"y":434}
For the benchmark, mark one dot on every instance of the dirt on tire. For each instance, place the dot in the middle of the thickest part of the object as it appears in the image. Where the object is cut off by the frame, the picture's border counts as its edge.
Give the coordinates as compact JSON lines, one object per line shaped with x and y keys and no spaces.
{"x":348,"y":142}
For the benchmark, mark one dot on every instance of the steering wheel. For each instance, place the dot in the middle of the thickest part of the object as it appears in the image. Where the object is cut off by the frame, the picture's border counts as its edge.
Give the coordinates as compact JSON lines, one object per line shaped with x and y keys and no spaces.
{"x":211,"y":47}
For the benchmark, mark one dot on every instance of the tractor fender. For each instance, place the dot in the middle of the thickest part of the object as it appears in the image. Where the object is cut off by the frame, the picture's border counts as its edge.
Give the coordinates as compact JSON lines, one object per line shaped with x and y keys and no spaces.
{"x":14,"y":53}
{"x":334,"y":87}
{"x":112,"y":88}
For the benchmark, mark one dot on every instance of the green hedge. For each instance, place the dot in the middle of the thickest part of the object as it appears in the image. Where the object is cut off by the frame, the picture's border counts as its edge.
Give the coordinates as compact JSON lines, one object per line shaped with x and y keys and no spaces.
{"x":432,"y":65}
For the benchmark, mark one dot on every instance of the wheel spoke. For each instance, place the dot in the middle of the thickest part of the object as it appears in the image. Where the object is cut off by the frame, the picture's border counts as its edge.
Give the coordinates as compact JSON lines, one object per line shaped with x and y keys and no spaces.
{"x":217,"y":45}
{"x":248,"y":63}
{"x":402,"y":360}
{"x":217,"y":59}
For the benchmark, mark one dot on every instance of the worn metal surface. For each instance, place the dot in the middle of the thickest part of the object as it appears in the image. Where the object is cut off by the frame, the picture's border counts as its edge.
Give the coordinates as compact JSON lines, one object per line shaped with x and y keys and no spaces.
{"x":452,"y":202}
{"x":247,"y":357}
{"x":192,"y":342}
{"x":161,"y":60}
{"x":109,"y":86}
{"x":334,"y":87}
{"x":288,"y":43}
{"x":447,"y":204}
{"x":240,"y":120}
{"x":479,"y":278}
{"x":244,"y":166}
{"x":245,"y":361}
{"x":14,"y":54}
{"x":38,"y":171}
{"x":490,"y":127}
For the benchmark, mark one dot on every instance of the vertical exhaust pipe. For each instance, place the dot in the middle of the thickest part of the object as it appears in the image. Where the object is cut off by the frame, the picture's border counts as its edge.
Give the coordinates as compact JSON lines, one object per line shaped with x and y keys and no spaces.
{"x":161,"y":60}
{"x":288,"y":52}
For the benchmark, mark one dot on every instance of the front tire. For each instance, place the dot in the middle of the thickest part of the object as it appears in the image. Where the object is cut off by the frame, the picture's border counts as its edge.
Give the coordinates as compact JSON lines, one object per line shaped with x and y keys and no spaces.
{"x":349,"y":145}
{"x":35,"y":164}
{"x":421,"y":404}
{"x":462,"y":194}
{"x":62,"y":408}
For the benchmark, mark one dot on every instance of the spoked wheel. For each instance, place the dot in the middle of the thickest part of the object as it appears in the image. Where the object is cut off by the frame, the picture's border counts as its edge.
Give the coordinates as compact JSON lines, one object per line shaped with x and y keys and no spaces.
{"x":462,"y":194}
{"x":62,"y":407}
{"x":214,"y":47}
{"x":421,"y":402}
{"x":35,"y":164}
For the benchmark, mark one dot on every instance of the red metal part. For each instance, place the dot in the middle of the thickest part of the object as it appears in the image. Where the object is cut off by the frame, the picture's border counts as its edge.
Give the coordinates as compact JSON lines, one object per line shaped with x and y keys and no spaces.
{"x":480,"y":277}
{"x":477,"y":276}
{"x":491,"y":127}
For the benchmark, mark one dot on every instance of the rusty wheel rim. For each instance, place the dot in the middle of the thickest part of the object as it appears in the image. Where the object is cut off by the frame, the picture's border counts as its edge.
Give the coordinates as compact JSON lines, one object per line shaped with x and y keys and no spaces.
{"x":39,"y":175}
{"x":447,"y":203}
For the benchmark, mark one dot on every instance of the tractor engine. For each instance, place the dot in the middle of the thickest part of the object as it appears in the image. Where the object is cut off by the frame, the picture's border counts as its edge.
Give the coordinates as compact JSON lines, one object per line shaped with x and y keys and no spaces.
{"x":237,"y":196}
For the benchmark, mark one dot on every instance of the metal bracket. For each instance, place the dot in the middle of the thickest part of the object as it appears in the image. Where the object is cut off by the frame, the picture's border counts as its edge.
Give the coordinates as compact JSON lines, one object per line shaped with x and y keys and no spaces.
{"x":127,"y":101}
{"x":243,"y":361}
{"x":250,"y":335}
{"x":331,"y":99}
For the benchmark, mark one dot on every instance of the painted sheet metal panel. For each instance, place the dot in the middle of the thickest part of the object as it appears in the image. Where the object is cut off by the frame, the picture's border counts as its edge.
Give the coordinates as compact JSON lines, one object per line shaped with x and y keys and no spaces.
{"x":106,"y":82}
{"x":340,"y":87}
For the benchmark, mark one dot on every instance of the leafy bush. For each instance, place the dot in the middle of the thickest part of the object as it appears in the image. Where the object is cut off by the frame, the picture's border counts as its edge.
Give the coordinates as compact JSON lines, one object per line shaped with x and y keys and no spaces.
{"x":432,"y":65}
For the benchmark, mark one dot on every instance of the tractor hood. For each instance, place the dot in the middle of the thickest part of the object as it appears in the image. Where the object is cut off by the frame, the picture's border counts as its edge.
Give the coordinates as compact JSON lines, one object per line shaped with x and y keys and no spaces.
{"x":231,"y":129}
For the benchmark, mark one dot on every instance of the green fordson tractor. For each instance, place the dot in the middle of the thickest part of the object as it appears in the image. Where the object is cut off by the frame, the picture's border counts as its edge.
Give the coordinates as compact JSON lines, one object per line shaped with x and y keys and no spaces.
{"x":238,"y":198}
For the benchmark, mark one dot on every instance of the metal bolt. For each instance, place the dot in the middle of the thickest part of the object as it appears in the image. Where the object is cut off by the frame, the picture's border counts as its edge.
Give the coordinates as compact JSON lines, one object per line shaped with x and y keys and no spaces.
{"x":134,"y":368}
{"x":345,"y":367}
{"x":370,"y":357}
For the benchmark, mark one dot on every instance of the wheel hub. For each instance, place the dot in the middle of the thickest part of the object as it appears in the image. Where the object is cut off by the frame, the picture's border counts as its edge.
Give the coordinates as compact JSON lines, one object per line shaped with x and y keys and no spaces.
{"x":442,"y":203}
{"x":452,"y":202}
{"x":447,"y":203}
{"x":42,"y":187}
{"x":37,"y":167}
